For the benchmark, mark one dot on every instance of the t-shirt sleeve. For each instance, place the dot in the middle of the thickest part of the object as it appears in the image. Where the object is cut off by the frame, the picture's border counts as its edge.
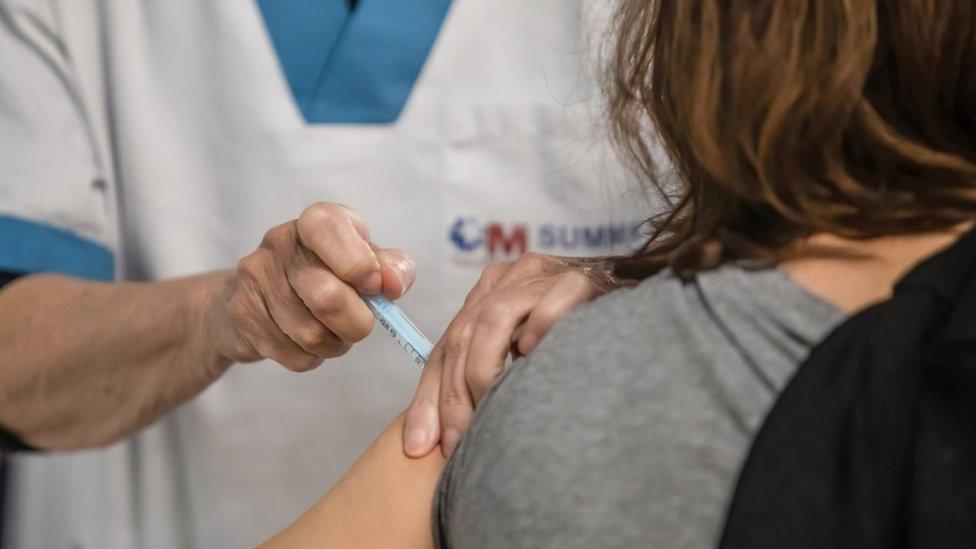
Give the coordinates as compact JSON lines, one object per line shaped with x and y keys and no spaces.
{"x":627,"y":425}
{"x":523,"y":473}
{"x":55,"y":206}
{"x":512,"y":483}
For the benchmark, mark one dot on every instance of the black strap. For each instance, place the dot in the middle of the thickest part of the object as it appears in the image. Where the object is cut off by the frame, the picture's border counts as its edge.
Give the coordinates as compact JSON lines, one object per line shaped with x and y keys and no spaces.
{"x":873,"y":442}
{"x":4,"y":479}
{"x":8,"y":443}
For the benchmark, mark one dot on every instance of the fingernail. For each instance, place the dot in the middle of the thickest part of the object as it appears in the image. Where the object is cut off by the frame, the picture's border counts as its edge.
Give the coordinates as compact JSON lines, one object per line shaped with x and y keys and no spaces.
{"x":373,"y":284}
{"x":400,"y":267}
{"x":449,"y":441}
{"x":404,"y":266}
{"x":393,"y":289}
{"x":417,"y":441}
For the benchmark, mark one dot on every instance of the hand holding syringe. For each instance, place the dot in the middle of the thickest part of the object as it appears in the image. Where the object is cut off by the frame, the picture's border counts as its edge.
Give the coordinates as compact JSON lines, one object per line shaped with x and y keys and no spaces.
{"x":296,"y":299}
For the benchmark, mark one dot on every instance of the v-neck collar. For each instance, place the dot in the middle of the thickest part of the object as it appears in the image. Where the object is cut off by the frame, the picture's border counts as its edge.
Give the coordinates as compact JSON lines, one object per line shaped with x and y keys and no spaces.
{"x":353,"y":66}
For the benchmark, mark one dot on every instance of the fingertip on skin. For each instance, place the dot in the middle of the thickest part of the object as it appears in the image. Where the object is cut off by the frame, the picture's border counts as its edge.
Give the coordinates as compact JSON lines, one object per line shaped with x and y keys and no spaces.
{"x":449,"y":441}
{"x":420,"y":431}
{"x":417,"y":441}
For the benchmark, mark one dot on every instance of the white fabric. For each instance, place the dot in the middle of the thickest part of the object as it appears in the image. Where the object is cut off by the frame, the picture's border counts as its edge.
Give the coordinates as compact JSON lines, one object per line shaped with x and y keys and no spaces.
{"x":51,"y":172}
{"x":198,"y":135}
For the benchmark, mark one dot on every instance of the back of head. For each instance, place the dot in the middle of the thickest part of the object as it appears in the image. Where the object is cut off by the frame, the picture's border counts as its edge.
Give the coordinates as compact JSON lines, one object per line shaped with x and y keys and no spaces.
{"x":784,"y":118}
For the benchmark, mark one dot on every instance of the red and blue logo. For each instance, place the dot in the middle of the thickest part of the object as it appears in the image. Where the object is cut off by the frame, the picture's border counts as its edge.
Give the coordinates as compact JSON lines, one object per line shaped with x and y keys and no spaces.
{"x":476,"y":241}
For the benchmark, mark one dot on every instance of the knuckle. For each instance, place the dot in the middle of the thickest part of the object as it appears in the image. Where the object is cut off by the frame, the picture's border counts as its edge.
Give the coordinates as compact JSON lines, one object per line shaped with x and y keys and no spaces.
{"x":494,"y":270}
{"x":312,"y":335}
{"x":253,"y":266}
{"x":279,"y":237}
{"x":316,"y":212}
{"x":452,"y":401}
{"x":361,"y":264}
{"x":489,"y":275}
{"x":311,"y":217}
{"x":576,"y":279}
{"x":263,"y":346}
{"x":316,"y":216}
{"x":327,"y":297}
{"x":530,"y":261}
{"x":302,"y":364}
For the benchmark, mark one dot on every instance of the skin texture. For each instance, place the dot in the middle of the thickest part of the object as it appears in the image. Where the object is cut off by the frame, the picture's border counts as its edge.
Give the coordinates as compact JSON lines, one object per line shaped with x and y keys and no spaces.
{"x":71,"y":378}
{"x":385,"y":498}
{"x":294,"y":299}
{"x":84,"y":364}
{"x":853,"y":274}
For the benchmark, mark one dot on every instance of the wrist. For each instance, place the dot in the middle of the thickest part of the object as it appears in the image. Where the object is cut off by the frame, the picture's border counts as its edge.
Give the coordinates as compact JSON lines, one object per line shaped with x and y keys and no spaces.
{"x":204,"y":314}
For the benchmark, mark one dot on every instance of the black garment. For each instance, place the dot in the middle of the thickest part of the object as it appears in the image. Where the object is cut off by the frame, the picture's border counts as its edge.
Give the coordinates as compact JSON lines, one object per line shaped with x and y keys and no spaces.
{"x":873,"y":442}
{"x":8,"y":441}
{"x":4,"y":476}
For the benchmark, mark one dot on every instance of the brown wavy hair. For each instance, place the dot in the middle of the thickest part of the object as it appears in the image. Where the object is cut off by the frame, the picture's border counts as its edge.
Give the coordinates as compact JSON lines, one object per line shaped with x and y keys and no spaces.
{"x":782,"y":118}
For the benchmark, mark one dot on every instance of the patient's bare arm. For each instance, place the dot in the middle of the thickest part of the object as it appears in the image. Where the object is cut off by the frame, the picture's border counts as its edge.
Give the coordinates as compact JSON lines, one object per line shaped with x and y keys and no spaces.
{"x":384,"y":500}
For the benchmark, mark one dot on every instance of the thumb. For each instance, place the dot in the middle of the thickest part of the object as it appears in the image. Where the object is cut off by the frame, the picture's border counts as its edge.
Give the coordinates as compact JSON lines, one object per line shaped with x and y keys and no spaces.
{"x":398,"y":271}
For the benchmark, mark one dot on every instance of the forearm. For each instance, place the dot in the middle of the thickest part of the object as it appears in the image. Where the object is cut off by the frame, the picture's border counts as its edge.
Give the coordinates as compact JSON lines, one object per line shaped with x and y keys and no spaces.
{"x":384,"y":500}
{"x":83,"y":363}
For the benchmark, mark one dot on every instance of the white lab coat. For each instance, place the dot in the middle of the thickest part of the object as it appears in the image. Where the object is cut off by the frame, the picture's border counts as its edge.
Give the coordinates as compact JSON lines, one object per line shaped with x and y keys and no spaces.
{"x":179,"y":112}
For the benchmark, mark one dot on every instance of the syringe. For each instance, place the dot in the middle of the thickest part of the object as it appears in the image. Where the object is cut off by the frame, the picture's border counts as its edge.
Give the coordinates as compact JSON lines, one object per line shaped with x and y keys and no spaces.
{"x":396,"y":323}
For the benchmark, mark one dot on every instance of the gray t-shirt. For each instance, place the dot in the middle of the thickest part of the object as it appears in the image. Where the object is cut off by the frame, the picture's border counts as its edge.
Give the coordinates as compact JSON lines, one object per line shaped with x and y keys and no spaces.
{"x":628,"y":424}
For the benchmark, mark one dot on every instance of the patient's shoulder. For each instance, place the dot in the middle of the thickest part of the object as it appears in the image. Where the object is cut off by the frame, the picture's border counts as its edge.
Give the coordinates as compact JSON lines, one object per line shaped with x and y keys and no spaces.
{"x":640,"y":333}
{"x":591,"y":426}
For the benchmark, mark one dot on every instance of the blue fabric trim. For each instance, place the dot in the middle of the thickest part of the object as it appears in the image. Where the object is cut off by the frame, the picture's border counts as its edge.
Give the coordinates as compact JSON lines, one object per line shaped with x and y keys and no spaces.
{"x":303,"y":33}
{"x":29,"y":247}
{"x":373,"y":64}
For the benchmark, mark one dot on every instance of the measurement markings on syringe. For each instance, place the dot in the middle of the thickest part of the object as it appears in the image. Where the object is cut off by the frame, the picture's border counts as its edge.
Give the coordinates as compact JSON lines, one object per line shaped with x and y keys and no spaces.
{"x":404,"y":332}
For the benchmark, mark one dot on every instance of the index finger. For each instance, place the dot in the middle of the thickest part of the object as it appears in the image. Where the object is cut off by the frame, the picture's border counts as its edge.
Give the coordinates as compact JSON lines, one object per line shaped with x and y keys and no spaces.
{"x":422,"y":428}
{"x":570,"y":290}
{"x":338,"y":236}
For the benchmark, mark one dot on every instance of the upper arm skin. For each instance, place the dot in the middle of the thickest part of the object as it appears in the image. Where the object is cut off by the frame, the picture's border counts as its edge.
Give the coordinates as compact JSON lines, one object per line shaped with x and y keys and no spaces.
{"x":384,"y":500}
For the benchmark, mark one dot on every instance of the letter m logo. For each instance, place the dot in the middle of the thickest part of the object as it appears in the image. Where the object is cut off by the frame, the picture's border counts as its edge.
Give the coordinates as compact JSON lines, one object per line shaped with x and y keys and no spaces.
{"x":513,"y":243}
